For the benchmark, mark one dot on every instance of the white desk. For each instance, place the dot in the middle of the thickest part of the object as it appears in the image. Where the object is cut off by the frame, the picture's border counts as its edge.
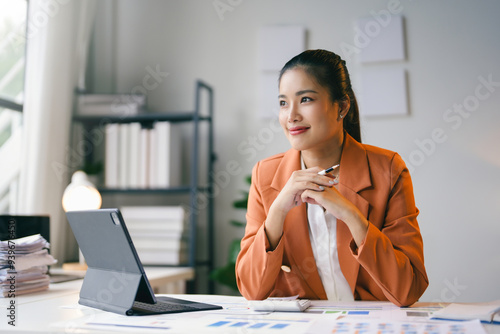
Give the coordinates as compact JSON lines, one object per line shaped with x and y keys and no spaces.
{"x":36,"y":312}
{"x":58,"y":311}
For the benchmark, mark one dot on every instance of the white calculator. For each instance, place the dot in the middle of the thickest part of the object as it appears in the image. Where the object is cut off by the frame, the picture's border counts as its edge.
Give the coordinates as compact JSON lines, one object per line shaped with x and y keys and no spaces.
{"x":279,"y":305}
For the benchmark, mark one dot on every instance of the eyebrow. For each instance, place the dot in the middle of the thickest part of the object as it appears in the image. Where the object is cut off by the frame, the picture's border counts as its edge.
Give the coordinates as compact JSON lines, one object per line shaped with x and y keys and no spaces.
{"x":300,"y":92}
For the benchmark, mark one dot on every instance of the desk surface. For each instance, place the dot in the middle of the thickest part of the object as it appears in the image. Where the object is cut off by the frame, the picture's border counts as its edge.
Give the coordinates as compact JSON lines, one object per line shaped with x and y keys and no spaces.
{"x":34,"y":313}
{"x":58,"y":311}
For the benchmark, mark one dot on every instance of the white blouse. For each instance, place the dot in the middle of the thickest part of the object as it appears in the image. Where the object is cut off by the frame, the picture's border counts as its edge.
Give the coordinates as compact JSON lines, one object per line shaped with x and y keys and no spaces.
{"x":323,"y":236}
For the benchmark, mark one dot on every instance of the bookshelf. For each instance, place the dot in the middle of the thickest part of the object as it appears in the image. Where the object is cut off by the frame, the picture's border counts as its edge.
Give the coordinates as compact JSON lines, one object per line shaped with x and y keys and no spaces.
{"x":193,"y":189}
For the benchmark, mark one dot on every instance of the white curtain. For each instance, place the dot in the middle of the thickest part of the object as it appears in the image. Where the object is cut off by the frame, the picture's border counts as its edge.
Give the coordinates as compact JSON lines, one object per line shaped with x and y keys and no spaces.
{"x":57,"y":45}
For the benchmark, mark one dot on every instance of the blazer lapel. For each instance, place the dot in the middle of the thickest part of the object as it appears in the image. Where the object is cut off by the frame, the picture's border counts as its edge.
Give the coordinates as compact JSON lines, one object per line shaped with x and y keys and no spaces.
{"x":296,"y":236}
{"x":354,"y":176}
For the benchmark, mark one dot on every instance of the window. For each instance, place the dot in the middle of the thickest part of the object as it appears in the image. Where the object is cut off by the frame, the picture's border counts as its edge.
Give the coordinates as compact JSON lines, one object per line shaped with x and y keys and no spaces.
{"x":13,"y":18}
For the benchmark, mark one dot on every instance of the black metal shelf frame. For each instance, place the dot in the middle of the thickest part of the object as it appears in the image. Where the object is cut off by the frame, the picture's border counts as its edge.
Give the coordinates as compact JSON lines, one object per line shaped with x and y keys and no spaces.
{"x":193,"y":189}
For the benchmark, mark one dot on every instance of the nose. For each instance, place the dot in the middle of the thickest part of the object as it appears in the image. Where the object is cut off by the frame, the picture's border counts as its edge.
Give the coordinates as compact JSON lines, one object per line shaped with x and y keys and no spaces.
{"x":294,"y":114}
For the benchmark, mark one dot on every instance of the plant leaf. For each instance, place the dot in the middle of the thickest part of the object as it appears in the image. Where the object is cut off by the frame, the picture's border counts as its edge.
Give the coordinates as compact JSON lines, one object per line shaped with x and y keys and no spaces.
{"x":225,"y":275}
{"x":241,"y":204}
{"x":234,"y":250}
{"x":237,"y":223}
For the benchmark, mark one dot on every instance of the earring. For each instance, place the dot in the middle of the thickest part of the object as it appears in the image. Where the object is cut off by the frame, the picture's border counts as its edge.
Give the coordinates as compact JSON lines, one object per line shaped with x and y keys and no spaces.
{"x":341,"y":116}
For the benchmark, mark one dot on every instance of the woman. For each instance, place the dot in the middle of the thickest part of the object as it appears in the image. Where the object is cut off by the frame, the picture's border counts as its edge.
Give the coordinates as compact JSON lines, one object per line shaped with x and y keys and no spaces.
{"x":349,"y":235}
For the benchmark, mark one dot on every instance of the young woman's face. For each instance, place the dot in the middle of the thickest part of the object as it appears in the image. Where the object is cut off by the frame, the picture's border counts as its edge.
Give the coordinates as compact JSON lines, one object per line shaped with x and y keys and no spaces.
{"x":309,"y":118}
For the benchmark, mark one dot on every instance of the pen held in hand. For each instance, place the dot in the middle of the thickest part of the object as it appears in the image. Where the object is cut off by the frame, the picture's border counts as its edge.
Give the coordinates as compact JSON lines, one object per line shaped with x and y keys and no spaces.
{"x":328,"y":170}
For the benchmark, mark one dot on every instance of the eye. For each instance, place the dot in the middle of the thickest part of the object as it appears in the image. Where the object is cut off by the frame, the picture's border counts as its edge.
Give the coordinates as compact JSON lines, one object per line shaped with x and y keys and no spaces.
{"x":305,"y":99}
{"x":282,"y":103}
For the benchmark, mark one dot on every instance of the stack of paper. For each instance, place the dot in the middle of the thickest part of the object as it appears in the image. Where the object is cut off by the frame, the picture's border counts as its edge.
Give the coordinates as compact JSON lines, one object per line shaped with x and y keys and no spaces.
{"x":158,"y":232}
{"x":141,"y":158}
{"x":23,"y":265}
{"x":110,"y":104}
{"x":487,"y":312}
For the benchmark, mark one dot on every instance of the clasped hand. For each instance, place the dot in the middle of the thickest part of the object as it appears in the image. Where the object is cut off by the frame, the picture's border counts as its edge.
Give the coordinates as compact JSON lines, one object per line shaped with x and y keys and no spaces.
{"x":307,"y":186}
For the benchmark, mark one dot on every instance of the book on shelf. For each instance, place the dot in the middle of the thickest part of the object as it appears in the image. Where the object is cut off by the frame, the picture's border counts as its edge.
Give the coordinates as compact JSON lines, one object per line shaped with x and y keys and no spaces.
{"x":169,"y":154}
{"x":156,"y":226}
{"x":159,"y":243}
{"x":175,"y":212}
{"x":160,"y":257}
{"x":103,"y":98}
{"x":124,"y":156}
{"x":111,"y":162}
{"x":134,"y":155}
{"x":153,"y":159}
{"x":159,"y":233}
{"x":144,"y":159}
{"x":141,"y":158}
{"x":110,"y":104}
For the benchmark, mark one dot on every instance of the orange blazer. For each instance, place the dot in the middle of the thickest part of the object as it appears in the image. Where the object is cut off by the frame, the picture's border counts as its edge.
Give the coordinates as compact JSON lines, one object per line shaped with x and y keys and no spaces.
{"x":389,"y":265}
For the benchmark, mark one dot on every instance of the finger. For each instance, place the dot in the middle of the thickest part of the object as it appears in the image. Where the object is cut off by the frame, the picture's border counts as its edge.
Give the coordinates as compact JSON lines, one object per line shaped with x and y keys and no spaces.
{"x":311,"y":201}
{"x":308,"y":196}
{"x":327,"y":180}
{"x":309,"y":185}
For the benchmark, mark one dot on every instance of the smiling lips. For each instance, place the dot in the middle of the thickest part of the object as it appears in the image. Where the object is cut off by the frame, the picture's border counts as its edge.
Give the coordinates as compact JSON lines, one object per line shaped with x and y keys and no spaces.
{"x":297,"y":130}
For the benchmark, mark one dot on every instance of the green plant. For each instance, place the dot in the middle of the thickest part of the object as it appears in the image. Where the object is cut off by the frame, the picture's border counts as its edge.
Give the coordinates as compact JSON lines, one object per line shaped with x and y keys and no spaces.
{"x":226,"y":275}
{"x":93,"y":168}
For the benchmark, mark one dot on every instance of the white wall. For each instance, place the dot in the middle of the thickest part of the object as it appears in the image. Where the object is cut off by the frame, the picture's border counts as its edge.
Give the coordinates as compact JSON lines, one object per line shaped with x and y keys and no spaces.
{"x":451,"y":45}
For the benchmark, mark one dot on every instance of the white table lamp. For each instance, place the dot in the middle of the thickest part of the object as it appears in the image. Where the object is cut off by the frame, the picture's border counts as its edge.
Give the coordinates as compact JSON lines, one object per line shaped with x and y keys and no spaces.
{"x":81,"y":194}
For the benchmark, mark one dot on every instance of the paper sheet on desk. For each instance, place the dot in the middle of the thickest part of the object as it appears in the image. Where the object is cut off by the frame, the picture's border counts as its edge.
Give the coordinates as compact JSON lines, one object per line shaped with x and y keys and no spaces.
{"x":384,"y":317}
{"x":36,"y":259}
{"x":24,"y":253}
{"x":374,"y":310}
{"x":26,"y":244}
{"x":234,"y":318}
{"x":486,"y":312}
{"x":201,"y":322}
{"x":194,"y":322}
{"x":377,"y":326}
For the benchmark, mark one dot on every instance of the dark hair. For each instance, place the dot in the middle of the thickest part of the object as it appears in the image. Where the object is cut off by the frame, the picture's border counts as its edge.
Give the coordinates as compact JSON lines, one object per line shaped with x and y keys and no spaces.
{"x":330,"y":71}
